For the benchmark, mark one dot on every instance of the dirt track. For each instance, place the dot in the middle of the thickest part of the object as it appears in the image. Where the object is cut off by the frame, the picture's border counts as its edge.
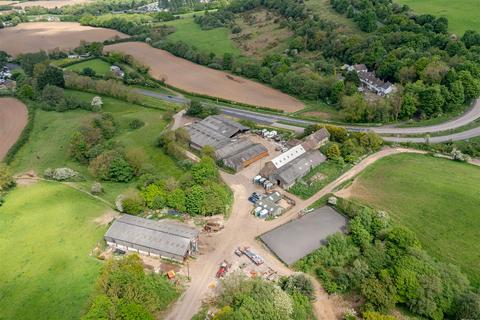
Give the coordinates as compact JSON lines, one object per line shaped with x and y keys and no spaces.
{"x":13,"y":118}
{"x":192,"y":77}
{"x":35,"y":36}
{"x":242,"y":229}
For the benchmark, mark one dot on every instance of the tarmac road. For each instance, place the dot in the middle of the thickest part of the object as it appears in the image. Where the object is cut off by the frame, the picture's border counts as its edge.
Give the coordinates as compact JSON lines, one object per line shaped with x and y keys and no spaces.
{"x":265,"y":118}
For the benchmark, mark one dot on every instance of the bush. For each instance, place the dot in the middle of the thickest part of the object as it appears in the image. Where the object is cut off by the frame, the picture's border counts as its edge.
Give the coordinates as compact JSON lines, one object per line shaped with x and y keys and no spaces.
{"x":6,"y":178}
{"x":132,"y":202}
{"x":136,"y":124}
{"x":60,"y":174}
{"x":119,"y":170}
{"x":199,"y":110}
{"x":125,"y":291}
{"x":96,"y":188}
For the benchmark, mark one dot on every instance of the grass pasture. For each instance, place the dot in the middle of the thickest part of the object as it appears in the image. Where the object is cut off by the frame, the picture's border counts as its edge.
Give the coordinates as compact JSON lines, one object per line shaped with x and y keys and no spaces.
{"x":437,"y":198}
{"x":462,"y":14}
{"x":48,"y":146}
{"x":98,"y":65}
{"x":47,"y":233}
{"x":216,"y":40}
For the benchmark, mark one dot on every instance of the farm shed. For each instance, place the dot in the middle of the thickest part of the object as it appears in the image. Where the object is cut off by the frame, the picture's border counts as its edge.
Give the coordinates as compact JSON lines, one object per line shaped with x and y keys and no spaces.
{"x":300,"y":237}
{"x":295,"y":168}
{"x":215,"y":131}
{"x":316,"y":139}
{"x":240,"y":154}
{"x":163,"y":238}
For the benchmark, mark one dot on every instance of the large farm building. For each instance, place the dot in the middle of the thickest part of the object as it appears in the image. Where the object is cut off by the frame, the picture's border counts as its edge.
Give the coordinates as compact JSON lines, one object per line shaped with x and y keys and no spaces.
{"x":222,"y":134}
{"x":162,"y":238}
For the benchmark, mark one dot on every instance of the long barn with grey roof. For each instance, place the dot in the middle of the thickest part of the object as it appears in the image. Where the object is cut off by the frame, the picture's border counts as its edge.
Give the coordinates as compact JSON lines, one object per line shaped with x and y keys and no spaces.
{"x":161,"y":238}
{"x":221,"y":134}
{"x":214,"y":131}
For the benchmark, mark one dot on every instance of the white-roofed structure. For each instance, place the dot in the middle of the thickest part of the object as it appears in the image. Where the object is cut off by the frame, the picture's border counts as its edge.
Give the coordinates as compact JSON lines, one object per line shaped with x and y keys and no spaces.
{"x":163,"y":238}
{"x":288,"y":156}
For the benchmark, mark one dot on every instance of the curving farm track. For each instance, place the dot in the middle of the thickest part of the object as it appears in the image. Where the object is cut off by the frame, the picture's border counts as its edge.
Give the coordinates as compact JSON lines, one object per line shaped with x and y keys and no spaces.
{"x":13,"y":118}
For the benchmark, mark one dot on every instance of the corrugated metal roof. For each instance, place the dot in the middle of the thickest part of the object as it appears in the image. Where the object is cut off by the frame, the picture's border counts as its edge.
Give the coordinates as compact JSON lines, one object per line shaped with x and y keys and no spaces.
{"x":300,"y":166}
{"x":214,"y":131}
{"x":202,"y":135}
{"x":223,"y":126}
{"x":165,"y":226}
{"x":288,"y":156}
{"x":160,"y":235}
{"x":250,"y":152}
{"x":232,"y":148}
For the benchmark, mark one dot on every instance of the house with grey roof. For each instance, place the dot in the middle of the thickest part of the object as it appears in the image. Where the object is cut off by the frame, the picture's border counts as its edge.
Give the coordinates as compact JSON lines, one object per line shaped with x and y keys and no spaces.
{"x":163,"y":238}
{"x":370,"y":81}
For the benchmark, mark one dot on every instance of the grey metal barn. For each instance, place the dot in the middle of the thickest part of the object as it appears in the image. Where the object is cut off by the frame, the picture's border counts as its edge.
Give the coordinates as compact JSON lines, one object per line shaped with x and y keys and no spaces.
{"x":162,"y":238}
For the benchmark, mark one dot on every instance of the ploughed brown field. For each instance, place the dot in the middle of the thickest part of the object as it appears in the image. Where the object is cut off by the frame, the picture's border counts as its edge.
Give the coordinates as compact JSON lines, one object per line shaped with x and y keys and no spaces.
{"x":195,"y":78}
{"x":13,"y":118}
{"x":49,"y":4}
{"x":35,"y":36}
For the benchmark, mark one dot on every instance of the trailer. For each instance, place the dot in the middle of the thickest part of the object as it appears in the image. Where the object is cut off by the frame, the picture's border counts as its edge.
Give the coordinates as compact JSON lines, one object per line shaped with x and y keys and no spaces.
{"x":256,"y":259}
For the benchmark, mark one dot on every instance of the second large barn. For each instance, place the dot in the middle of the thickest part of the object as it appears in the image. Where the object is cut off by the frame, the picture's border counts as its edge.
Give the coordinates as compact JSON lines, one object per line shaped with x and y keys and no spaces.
{"x":222,"y":134}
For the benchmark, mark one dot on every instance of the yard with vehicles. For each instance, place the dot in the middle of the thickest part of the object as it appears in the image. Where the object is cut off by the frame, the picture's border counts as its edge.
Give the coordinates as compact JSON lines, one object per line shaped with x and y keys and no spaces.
{"x":50,"y":35}
{"x":13,"y":118}
{"x":48,"y":240}
{"x":436,"y":198}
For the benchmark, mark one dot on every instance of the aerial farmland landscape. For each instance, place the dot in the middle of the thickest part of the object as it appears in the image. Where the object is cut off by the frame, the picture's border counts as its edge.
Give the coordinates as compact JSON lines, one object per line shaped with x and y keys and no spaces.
{"x":240,"y":159}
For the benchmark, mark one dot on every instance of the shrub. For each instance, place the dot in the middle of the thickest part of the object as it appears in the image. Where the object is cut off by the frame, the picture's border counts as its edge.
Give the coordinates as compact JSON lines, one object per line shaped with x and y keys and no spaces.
{"x":6,"y":178}
{"x":119,"y":170}
{"x":96,"y":188}
{"x":60,"y":174}
{"x":132,"y":202}
{"x":97,"y":104}
{"x":135,"y":124}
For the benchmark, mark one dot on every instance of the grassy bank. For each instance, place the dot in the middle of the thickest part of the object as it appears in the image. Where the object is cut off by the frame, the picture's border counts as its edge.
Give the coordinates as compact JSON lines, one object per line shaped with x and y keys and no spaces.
{"x":99,"y":66}
{"x":48,"y":145}
{"x":439,"y":199}
{"x":46,"y":269}
{"x":215,"y":40}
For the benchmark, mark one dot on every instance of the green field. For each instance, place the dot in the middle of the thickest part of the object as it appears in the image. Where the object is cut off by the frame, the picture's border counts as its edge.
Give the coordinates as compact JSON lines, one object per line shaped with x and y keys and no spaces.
{"x":324,"y":10}
{"x":47,"y":233}
{"x":437,"y":198}
{"x":48,"y":146}
{"x":98,"y":65}
{"x":216,"y":40}
{"x":462,"y":14}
